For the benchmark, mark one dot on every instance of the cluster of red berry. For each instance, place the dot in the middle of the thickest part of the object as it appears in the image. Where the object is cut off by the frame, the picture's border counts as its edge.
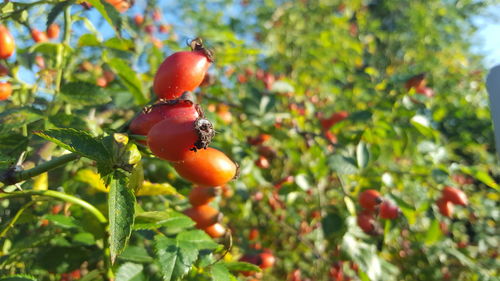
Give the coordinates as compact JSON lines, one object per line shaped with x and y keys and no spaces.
{"x":177,"y":131}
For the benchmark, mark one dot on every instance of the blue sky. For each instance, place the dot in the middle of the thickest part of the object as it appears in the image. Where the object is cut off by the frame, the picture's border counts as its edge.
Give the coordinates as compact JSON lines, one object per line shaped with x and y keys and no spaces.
{"x":487,"y":39}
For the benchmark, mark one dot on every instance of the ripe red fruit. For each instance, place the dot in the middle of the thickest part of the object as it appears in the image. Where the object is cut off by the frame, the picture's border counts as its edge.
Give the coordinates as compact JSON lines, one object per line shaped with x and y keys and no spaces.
{"x":165,"y":28}
{"x":366,"y":222}
{"x":267,"y":260}
{"x":56,"y":209}
{"x":143,"y":123}
{"x":216,"y":230}
{"x":454,"y":195}
{"x":175,"y":139}
{"x":203,"y":195}
{"x":4,"y":71}
{"x":38,"y":36}
{"x":138,"y":20}
{"x":369,"y":199}
{"x":53,"y":31}
{"x":417,"y":81}
{"x":327,"y":123}
{"x":150,"y":29}
{"x":7,"y":43}
{"x":5,"y":90}
{"x":254,"y":234}
{"x":182,"y":71}
{"x":260,"y":139}
{"x":294,"y":275}
{"x":121,"y":5}
{"x":156,"y":15}
{"x":109,"y":76}
{"x":207,"y":167}
{"x":101,"y":82}
{"x":262,"y":162}
{"x":203,"y":215}
{"x":445,"y":207}
{"x":285,"y":180}
{"x":388,"y":210}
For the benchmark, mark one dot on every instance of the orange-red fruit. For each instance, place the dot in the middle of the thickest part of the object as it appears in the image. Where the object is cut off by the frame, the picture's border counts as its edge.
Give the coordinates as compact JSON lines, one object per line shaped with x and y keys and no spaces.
{"x":121,"y":5}
{"x":262,"y":162}
{"x":258,"y":139}
{"x":327,"y":123}
{"x":109,"y":76}
{"x":5,"y":90}
{"x":180,"y":72}
{"x":207,"y":167}
{"x":143,"y":123}
{"x":150,"y":29}
{"x":445,"y":207}
{"x":216,"y":230}
{"x":454,"y":195}
{"x":366,"y":222}
{"x":165,"y":28}
{"x":138,"y":19}
{"x":388,"y":210}
{"x":254,"y":234}
{"x":7,"y":43}
{"x":101,"y":82}
{"x":369,"y":199}
{"x":417,"y":81}
{"x":267,"y":260}
{"x":53,"y":31}
{"x":38,"y":36}
{"x":203,"y":215}
{"x":174,"y":139}
{"x":203,"y":195}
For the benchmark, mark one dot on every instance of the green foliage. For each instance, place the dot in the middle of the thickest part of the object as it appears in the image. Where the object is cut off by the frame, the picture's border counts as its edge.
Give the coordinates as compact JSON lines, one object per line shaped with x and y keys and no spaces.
{"x":282,"y":68}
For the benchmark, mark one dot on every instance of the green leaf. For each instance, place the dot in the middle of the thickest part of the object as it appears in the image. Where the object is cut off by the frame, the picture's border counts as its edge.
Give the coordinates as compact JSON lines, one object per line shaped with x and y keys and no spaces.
{"x":109,"y":13}
{"x":197,"y":238}
{"x":343,"y":165}
{"x":220,"y":273}
{"x":434,"y":233}
{"x":362,"y":155}
{"x":89,"y":40}
{"x":55,"y":11}
{"x":119,"y":44}
{"x":17,"y":117}
{"x":175,"y":257}
{"x":129,"y":77}
{"x":481,"y":175}
{"x":136,"y":254}
{"x":156,"y":219}
{"x":84,"y":238}
{"x":121,"y":204}
{"x":76,"y":141}
{"x":238,"y":266}
{"x":129,"y":272}
{"x":11,"y":146}
{"x":63,"y":221}
{"x":84,"y":93}
{"x":18,"y":277}
{"x":47,"y":48}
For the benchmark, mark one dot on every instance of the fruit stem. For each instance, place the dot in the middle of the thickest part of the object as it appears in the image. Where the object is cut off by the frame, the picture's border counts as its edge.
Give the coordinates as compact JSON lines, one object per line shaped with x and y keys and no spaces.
{"x":12,"y":176}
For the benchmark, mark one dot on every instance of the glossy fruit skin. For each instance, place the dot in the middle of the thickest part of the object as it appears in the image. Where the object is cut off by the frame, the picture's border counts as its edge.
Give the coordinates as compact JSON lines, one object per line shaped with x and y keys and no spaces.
{"x":143,"y":123}
{"x":203,"y":215}
{"x":366,"y":222}
{"x":388,"y":210}
{"x":101,"y":82}
{"x":165,"y":28}
{"x":180,"y":72}
{"x":207,"y":167}
{"x":53,"y":31}
{"x":203,"y":195}
{"x":327,"y":123}
{"x":121,"y":5}
{"x":138,"y":19}
{"x":175,"y":139}
{"x":454,"y":195}
{"x":267,"y":260}
{"x":445,"y":207}
{"x":253,"y":235}
{"x":369,"y":199}
{"x":38,"y":36}
{"x":417,"y":81}
{"x":5,"y":90}
{"x":7,"y":43}
{"x":262,"y":162}
{"x":216,"y":230}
